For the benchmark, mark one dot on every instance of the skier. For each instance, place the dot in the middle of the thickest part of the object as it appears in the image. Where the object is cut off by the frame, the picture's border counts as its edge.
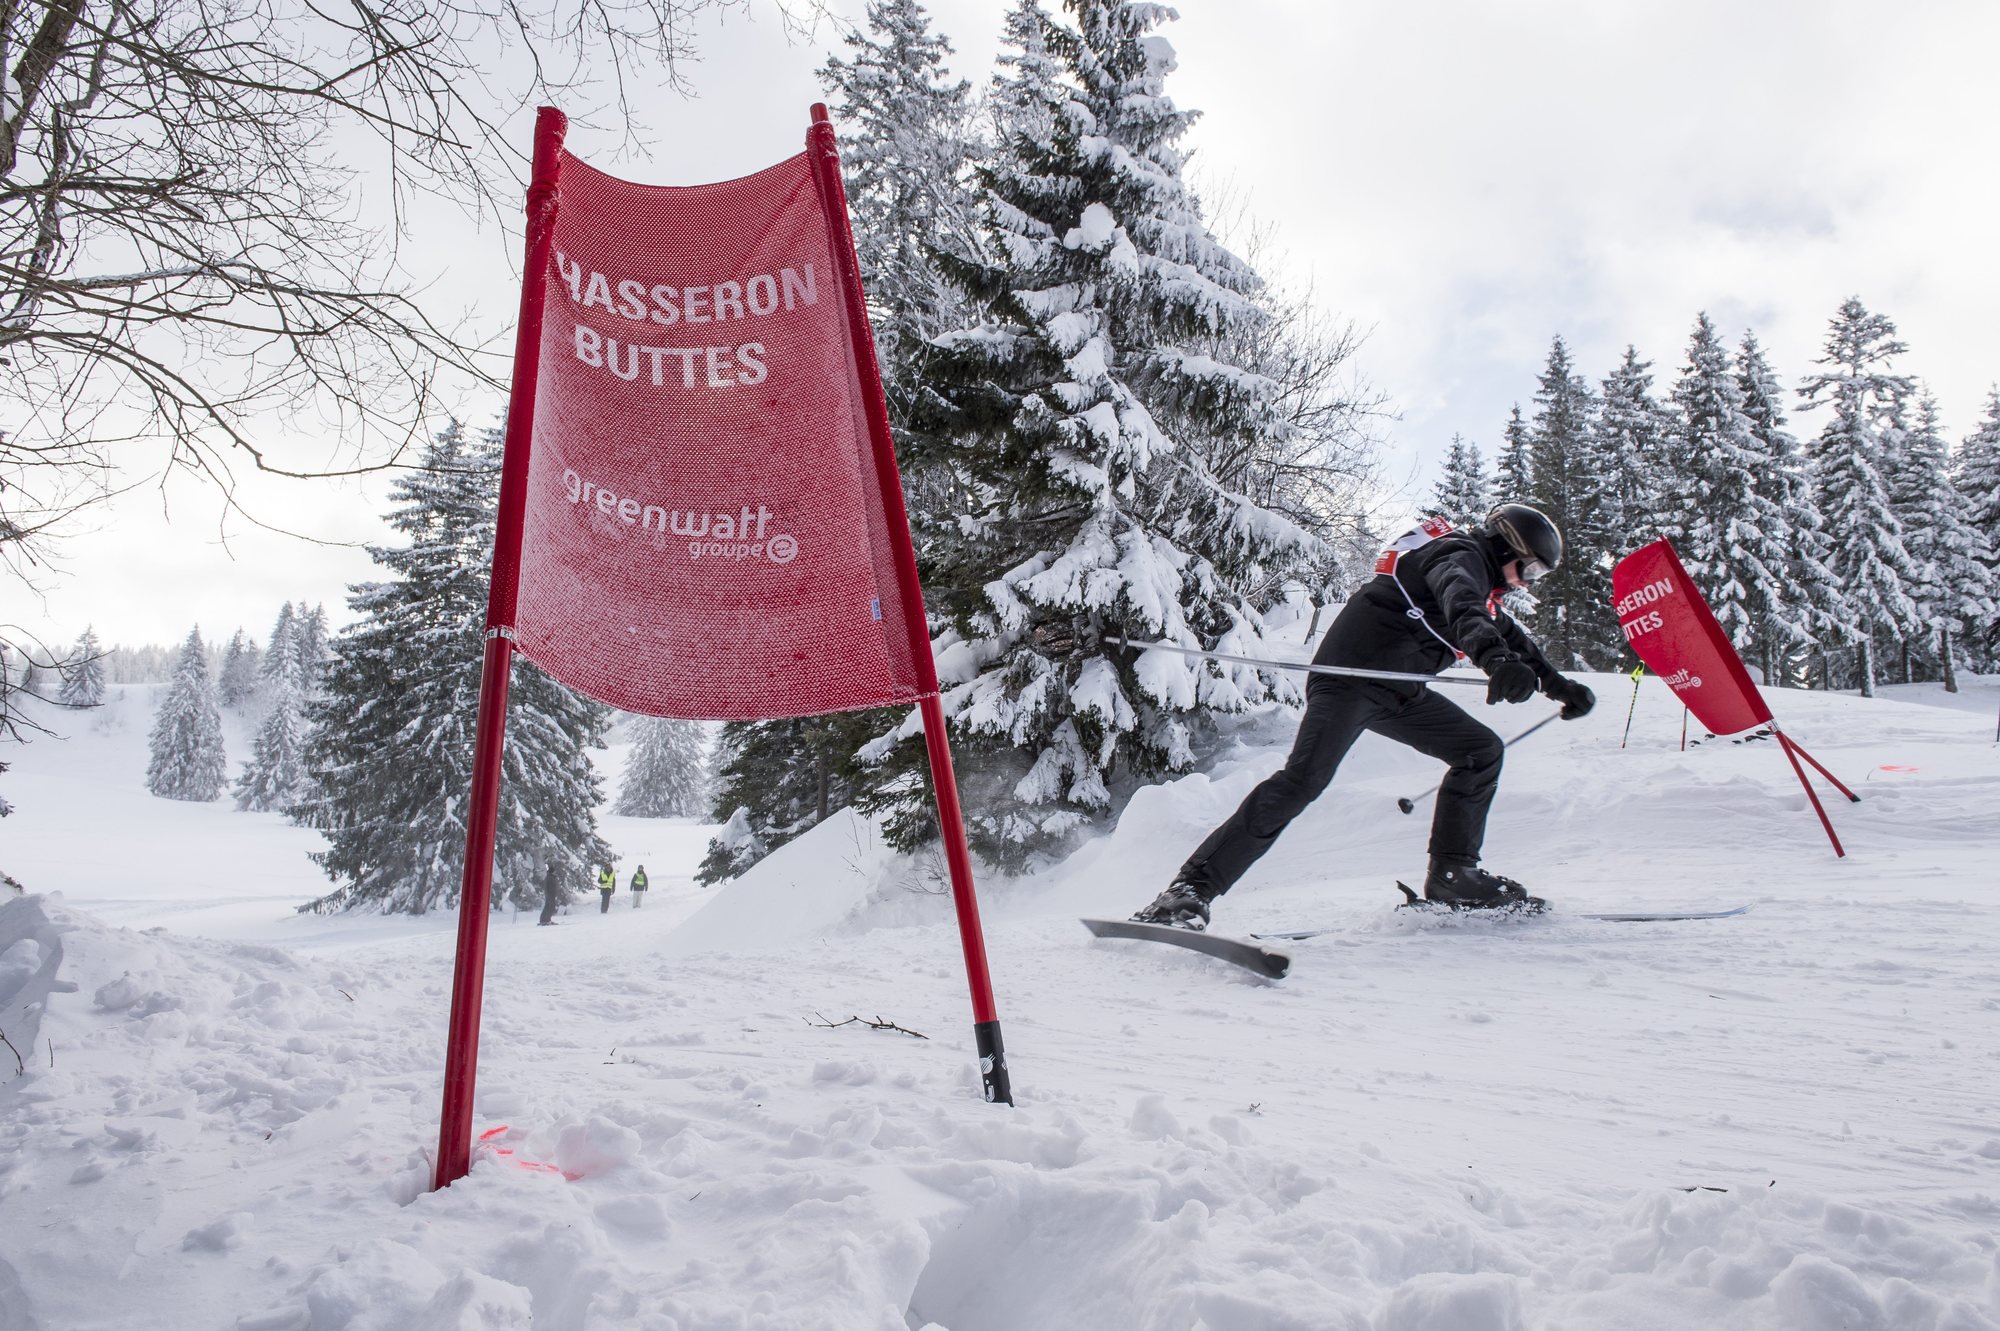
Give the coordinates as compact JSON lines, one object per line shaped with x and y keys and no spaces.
{"x":1433,"y":598}
{"x":607,"y":883}
{"x":638,"y":887}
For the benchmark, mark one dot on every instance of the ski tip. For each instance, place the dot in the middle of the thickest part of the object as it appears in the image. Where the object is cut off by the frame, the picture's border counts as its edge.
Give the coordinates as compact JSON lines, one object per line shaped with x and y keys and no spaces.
{"x":1410,"y":898}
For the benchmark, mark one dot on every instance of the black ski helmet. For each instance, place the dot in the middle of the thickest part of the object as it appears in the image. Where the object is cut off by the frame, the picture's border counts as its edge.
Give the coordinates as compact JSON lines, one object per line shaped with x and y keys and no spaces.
{"x":1526,"y":534}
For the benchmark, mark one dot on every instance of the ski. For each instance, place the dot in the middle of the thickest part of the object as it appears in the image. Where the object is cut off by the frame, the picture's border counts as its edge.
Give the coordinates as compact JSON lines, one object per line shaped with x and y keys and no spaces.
{"x":1644,"y":916}
{"x":1620,"y":917}
{"x":1265,"y":961}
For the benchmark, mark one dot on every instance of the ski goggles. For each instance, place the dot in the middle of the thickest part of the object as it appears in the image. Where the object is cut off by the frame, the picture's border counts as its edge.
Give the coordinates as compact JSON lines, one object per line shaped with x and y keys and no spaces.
{"x":1533,"y":569}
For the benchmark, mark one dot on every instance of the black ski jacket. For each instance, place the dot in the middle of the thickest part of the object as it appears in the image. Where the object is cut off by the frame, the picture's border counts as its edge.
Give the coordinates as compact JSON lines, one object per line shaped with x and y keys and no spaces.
{"x":1449,"y":581}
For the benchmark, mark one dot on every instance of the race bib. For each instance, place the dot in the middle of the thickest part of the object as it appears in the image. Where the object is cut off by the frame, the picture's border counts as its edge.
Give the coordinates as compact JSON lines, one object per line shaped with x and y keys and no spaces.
{"x":1417,"y":537}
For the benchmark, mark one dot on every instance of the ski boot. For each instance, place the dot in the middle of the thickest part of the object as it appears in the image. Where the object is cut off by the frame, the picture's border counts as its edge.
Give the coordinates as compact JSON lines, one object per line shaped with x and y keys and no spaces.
{"x":1462,"y":885}
{"x":1181,"y":906}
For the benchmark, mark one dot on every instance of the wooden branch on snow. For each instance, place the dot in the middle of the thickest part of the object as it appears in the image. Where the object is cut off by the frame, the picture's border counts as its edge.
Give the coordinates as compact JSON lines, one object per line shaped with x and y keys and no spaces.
{"x":19,"y":1066}
{"x":878,"y":1024}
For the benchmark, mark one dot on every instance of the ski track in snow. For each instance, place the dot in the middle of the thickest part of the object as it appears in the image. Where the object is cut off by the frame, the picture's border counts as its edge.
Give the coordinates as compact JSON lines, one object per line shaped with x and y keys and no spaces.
{"x":1786,"y":1120}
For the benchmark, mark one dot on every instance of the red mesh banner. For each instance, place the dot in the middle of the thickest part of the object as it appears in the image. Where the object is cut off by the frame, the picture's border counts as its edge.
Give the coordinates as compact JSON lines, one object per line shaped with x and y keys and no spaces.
{"x":705,"y":534}
{"x":1674,"y":632}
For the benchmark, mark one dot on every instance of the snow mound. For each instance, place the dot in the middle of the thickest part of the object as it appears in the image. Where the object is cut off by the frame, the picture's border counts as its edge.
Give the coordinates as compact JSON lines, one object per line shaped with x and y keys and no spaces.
{"x":839,"y":878}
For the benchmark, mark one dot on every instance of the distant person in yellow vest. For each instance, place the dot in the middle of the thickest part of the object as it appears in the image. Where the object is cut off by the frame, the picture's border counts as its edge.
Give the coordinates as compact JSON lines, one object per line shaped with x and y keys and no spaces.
{"x":607,"y":883}
{"x":638,"y":887}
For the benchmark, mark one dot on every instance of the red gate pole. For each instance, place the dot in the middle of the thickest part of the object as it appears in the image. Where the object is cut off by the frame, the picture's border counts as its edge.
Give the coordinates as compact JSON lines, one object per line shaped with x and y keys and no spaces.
{"x":468,"y":983}
{"x":1818,"y":766}
{"x":825,"y":160}
{"x":1785,"y":743}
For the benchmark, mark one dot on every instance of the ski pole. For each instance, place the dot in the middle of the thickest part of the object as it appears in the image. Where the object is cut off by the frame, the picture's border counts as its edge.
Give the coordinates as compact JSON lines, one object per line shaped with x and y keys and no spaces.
{"x":1410,"y":805}
{"x":1356,"y":672}
{"x":1638,"y":672}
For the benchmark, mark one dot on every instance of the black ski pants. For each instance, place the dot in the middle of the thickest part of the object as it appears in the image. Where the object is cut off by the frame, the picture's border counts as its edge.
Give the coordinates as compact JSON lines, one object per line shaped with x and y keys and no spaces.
{"x":1337,"y":711}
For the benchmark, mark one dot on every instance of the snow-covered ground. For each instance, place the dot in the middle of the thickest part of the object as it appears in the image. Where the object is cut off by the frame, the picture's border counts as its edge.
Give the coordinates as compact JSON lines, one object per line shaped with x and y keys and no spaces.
{"x":1791,"y":1119}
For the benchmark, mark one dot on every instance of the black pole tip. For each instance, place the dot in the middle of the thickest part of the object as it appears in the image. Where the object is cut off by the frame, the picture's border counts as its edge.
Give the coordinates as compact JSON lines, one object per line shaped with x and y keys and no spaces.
{"x":1407,"y":805}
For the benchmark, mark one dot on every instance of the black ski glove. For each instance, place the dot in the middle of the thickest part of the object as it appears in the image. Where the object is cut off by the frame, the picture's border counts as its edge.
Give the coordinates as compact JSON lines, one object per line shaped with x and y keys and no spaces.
{"x":1508,"y":679}
{"x":1576,"y":699}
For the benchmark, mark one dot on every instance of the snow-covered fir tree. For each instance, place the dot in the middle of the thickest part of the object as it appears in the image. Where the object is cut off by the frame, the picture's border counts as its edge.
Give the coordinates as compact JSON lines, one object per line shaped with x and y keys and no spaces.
{"x":1572,"y":616}
{"x":666,"y":772}
{"x":187,"y":758}
{"x":238,"y":679}
{"x":389,"y":752}
{"x":1632,"y":447}
{"x":1953,"y":587}
{"x":1026,"y":94}
{"x":1514,"y":469}
{"x":275,"y":775}
{"x":277,"y":653}
{"x":1068,"y":414}
{"x":1733,"y":535}
{"x":308,"y":646}
{"x":1462,"y":493}
{"x":905,"y":150}
{"x":1976,"y":472}
{"x":1851,"y":463}
{"x":1805,"y":603}
{"x":83,"y":673}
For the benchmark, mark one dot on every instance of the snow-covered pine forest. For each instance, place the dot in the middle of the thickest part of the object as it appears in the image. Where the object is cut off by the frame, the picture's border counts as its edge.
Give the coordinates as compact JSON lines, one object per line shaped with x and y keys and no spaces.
{"x":1863,"y":553}
{"x":1112,"y":425}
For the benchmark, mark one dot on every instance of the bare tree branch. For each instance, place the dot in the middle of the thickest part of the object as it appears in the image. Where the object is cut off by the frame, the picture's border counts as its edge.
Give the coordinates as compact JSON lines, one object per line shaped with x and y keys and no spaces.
{"x":182,"y":257}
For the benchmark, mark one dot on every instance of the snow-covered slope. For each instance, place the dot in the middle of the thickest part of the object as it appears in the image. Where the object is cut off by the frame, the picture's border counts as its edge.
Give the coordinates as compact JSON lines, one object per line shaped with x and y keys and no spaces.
{"x":1786,"y":1120}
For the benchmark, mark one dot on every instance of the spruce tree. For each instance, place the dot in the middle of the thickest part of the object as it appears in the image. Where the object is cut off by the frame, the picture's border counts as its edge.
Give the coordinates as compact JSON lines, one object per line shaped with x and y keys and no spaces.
{"x":1976,"y":471}
{"x":905,"y":148}
{"x":1806,"y":604}
{"x":389,"y":751}
{"x":238,"y":679}
{"x":1633,"y":448}
{"x":1072,"y":414}
{"x":1026,"y":95}
{"x":1954,"y":588}
{"x":1462,"y":493}
{"x":83,"y":672}
{"x":1572,"y":615}
{"x":275,"y":776}
{"x":186,"y":745}
{"x":279,"y":655}
{"x":1514,"y":471}
{"x":1731,"y":533}
{"x":308,"y":647}
{"x":1851,"y":461}
{"x":666,"y":773}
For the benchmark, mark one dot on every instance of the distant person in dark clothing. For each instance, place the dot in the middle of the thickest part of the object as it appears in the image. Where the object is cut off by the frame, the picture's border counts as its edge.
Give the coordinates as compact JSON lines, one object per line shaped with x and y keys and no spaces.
{"x":639,"y":887}
{"x":552,"y":893}
{"x":607,"y":883}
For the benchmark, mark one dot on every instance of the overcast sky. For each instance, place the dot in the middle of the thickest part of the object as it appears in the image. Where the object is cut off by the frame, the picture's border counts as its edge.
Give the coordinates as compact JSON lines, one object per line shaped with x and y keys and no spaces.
{"x":1464,"y":180}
